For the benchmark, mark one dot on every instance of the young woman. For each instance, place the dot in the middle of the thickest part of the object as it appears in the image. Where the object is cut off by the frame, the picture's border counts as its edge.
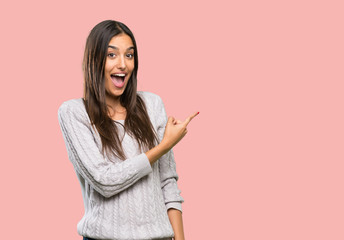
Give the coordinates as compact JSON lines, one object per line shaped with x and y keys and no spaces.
{"x":120,"y":142}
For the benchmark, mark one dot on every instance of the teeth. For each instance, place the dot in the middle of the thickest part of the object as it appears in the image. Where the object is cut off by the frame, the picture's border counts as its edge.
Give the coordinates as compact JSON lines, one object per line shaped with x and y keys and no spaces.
{"x":119,"y":75}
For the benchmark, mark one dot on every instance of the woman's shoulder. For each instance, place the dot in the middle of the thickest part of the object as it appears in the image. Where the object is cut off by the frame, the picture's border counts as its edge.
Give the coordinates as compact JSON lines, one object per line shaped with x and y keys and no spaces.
{"x":150,"y":98}
{"x":72,"y":107}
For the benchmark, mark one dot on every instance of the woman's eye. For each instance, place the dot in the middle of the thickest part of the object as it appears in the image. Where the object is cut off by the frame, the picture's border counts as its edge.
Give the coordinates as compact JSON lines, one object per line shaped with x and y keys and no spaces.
{"x":111,"y":54}
{"x":130,"y":55}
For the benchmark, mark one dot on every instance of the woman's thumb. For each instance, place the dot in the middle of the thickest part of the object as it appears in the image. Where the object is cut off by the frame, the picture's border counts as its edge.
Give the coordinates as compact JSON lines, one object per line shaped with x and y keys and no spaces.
{"x":170,"y":120}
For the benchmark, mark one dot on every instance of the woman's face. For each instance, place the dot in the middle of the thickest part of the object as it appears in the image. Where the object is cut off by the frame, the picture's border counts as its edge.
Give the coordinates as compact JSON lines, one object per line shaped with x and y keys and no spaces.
{"x":119,"y":65}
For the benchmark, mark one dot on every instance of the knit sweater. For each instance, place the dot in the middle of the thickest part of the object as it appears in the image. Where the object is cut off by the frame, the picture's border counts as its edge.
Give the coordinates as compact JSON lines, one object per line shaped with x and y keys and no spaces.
{"x":122,"y":199}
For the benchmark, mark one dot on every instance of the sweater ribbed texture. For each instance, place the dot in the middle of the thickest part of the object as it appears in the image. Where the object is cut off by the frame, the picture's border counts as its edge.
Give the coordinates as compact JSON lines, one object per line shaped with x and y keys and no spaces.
{"x":123,"y":200}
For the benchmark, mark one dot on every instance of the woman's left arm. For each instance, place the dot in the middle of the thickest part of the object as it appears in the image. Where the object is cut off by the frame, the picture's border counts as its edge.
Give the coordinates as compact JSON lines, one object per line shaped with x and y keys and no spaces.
{"x":176,"y":220}
{"x":169,"y":178}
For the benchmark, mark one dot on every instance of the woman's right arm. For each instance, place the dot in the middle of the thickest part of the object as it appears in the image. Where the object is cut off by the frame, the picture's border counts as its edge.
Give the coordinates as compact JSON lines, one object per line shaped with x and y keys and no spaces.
{"x":104,"y":176}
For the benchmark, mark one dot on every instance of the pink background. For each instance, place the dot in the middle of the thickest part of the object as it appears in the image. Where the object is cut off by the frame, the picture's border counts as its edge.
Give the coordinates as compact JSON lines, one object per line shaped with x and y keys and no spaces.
{"x":264,"y":158}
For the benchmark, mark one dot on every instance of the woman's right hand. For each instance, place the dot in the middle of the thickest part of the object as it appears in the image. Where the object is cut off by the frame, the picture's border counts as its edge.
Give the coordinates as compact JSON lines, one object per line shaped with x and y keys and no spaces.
{"x":175,"y":130}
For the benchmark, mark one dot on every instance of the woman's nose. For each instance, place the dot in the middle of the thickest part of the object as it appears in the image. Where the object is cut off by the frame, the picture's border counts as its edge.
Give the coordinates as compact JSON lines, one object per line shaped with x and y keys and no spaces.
{"x":121,"y":63}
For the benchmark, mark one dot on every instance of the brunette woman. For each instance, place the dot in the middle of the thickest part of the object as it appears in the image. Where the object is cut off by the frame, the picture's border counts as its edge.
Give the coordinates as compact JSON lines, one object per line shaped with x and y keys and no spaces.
{"x":120,"y":142}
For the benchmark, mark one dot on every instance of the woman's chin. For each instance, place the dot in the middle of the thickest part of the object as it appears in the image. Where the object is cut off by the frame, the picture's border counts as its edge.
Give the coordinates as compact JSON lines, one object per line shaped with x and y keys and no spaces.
{"x":115,"y":93}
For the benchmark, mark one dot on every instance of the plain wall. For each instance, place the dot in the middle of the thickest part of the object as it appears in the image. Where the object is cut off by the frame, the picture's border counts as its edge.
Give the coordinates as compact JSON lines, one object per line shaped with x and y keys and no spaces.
{"x":264,"y":158}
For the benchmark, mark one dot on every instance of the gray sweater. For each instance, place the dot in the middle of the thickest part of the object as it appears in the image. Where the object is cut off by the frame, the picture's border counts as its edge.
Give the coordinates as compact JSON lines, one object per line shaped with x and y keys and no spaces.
{"x":122,"y":199}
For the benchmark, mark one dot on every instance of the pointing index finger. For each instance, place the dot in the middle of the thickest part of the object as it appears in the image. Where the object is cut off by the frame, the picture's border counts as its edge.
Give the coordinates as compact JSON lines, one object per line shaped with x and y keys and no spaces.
{"x":190,"y":118}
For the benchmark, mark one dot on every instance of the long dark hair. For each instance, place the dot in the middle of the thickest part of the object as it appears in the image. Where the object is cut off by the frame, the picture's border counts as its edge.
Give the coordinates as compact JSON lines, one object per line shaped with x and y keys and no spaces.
{"x":137,"y":123}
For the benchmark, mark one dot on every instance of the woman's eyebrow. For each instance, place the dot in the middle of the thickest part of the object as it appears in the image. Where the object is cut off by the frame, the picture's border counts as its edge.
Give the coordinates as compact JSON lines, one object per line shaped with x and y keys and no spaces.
{"x":114,"y":47}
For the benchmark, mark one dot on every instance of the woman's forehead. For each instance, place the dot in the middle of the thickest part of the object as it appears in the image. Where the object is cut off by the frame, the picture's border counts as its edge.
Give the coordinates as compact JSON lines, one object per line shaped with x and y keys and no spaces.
{"x":121,"y":42}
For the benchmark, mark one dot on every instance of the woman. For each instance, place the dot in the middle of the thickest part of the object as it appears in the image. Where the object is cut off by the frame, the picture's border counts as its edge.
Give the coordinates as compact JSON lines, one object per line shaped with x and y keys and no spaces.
{"x":120,"y":141}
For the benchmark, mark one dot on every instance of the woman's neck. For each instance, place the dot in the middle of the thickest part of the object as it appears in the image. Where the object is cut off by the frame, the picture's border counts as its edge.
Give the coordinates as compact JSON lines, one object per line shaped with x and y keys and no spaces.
{"x":115,"y":109}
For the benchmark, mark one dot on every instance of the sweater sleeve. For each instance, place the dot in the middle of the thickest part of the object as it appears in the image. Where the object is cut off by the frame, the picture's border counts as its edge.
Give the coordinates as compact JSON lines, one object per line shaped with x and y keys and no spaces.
{"x":167,"y":167}
{"x":104,"y":176}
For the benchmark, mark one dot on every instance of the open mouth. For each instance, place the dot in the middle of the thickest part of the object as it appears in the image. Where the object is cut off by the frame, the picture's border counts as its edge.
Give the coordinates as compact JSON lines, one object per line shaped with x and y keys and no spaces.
{"x":118,"y":79}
